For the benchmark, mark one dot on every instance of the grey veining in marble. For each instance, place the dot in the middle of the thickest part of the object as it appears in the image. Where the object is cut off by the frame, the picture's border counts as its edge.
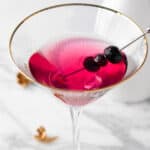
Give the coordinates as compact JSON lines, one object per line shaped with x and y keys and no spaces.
{"x":107,"y":124}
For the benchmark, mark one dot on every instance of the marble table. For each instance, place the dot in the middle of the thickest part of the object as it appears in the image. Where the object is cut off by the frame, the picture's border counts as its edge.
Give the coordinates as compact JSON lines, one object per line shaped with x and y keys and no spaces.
{"x":108,"y":124}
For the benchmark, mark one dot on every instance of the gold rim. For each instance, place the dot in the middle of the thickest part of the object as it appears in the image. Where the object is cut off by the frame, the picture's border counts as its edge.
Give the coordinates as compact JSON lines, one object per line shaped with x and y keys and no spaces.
{"x":79,"y":4}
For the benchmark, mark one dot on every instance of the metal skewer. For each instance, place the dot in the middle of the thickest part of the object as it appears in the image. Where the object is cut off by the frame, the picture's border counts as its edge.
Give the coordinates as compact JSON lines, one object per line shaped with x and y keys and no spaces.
{"x":147,"y":31}
{"x":124,"y":47}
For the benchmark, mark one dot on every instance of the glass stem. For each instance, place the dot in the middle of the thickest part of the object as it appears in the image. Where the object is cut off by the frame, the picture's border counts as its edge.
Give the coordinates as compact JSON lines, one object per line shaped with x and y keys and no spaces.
{"x":75,"y":113}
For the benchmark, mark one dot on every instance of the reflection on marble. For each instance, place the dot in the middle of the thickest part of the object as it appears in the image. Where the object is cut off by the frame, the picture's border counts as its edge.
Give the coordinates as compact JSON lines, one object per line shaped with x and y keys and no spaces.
{"x":130,"y":123}
{"x":105,"y":124}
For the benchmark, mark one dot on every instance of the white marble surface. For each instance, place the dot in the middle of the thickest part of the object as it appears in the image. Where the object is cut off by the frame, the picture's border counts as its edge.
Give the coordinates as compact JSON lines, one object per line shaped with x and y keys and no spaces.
{"x":119,"y":121}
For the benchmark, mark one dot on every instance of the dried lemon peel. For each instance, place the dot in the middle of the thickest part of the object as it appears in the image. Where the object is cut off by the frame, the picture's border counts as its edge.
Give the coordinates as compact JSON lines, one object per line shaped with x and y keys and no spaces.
{"x":22,"y":80}
{"x":42,"y":136}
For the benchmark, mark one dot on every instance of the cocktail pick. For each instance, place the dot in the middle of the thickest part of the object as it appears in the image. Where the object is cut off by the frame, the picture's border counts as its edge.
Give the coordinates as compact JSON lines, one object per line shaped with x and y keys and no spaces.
{"x":139,"y":37}
{"x":93,"y":63}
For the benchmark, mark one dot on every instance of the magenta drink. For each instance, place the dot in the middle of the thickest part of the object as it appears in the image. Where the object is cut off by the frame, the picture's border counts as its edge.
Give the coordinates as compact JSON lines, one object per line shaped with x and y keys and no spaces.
{"x":63,"y":65}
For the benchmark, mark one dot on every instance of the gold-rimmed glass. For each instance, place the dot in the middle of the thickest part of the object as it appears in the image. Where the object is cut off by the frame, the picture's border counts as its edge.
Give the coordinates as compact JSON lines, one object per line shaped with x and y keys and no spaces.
{"x":77,"y":20}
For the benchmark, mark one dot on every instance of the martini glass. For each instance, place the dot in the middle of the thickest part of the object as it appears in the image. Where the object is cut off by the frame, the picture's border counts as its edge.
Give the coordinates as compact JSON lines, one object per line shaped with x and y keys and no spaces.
{"x":77,"y":20}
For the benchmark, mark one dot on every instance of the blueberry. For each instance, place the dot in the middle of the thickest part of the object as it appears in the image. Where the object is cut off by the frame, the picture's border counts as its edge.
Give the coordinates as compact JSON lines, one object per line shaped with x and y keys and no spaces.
{"x":100,"y":60}
{"x":90,"y":64}
{"x":113,"y":54}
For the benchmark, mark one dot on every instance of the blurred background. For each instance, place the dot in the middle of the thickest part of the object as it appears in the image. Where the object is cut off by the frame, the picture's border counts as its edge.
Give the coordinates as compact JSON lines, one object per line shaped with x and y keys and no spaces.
{"x":120,"y":121}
